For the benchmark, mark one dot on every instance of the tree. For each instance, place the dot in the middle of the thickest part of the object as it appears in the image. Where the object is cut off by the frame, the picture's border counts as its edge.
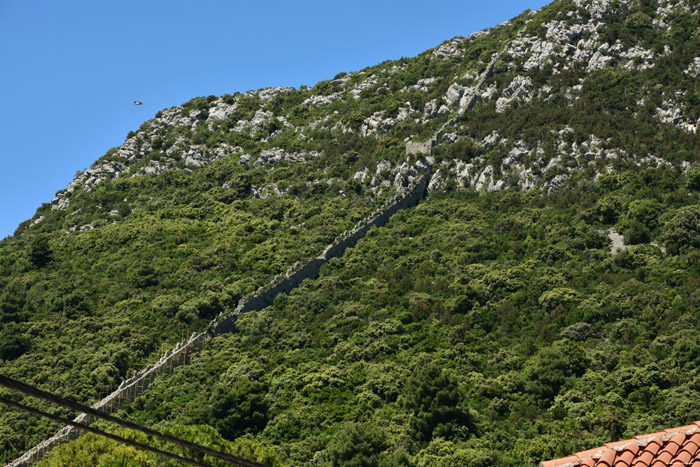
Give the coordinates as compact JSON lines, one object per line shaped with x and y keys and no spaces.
{"x":39,"y":251}
{"x":637,"y":233}
{"x":357,"y":445}
{"x":683,"y":229}
{"x":437,"y":402}
{"x":694,"y":178}
{"x":238,"y":409}
{"x":13,"y":342}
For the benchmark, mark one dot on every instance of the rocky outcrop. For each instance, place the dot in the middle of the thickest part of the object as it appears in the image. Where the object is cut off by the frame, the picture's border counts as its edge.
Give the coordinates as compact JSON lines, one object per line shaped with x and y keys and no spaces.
{"x":422,"y":85}
{"x":275,"y":155}
{"x":693,"y":69}
{"x":317,"y":101}
{"x":379,"y":123}
{"x":96,"y":174}
{"x":268,"y":94}
{"x":432,"y":109}
{"x":222,"y":111}
{"x":366,"y":84}
{"x":576,"y":42}
{"x":519,"y":89}
{"x":450,"y":49}
{"x":671,"y":112}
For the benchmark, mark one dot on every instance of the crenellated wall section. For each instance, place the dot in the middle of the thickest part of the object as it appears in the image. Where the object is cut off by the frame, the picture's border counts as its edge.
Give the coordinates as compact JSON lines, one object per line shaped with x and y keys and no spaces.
{"x":133,"y":387}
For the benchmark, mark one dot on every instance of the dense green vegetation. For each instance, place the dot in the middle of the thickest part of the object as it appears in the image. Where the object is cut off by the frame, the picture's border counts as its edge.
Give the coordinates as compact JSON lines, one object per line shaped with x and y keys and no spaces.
{"x":480,"y":328}
{"x":81,"y":310}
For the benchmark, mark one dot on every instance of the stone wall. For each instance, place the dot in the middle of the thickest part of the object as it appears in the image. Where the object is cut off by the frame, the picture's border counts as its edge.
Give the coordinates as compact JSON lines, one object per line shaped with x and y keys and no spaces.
{"x":264,"y":297}
{"x":129,"y":390}
{"x":465,"y":105}
{"x":420,"y":148}
{"x":284,"y":283}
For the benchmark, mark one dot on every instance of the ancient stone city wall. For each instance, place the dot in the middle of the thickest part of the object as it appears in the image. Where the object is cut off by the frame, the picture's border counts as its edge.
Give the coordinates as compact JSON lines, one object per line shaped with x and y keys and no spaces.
{"x":133,"y":387}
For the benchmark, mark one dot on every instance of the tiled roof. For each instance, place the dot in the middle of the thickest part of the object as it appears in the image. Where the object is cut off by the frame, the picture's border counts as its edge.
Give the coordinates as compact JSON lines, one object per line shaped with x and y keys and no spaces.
{"x":677,"y":447}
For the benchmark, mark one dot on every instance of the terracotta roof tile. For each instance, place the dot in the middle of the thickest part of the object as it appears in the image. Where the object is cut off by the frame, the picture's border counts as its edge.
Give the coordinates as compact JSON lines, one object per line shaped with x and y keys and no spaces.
{"x":607,"y":459}
{"x":653,"y":446}
{"x":690,"y":448}
{"x":665,"y":457}
{"x":646,"y":458}
{"x":626,"y":457}
{"x":558,"y":462}
{"x":684,"y":458}
{"x":693,"y":441}
{"x":678,"y":438}
{"x":671,"y":447}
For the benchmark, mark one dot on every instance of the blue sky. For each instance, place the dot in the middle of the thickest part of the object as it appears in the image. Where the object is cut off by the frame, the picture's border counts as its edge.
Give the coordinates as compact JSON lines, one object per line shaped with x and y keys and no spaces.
{"x":71,"y":69}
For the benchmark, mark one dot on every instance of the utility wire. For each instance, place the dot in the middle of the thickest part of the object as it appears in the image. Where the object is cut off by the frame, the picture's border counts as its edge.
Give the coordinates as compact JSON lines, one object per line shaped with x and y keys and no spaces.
{"x":82,"y":426}
{"x":36,"y":392}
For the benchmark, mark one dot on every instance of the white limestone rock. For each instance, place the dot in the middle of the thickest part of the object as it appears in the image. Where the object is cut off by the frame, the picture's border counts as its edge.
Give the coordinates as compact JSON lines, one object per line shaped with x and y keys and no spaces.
{"x":383,"y":166}
{"x":156,"y":167}
{"x":491,"y":91}
{"x":555,"y":183}
{"x":316,"y":101}
{"x":222,"y":111}
{"x":366,"y":84}
{"x":274,"y":155}
{"x":266,"y":191}
{"x":519,"y":151}
{"x":421,"y":85}
{"x":430,"y":110}
{"x":268,"y":94}
{"x":454,"y":93}
{"x":450,"y":49}
{"x":638,"y":58}
{"x":436,"y":181}
{"x":693,"y":69}
{"x":254,"y":124}
{"x":598,"y":9}
{"x":362,"y":175}
{"x":490,"y":141}
{"x":520,"y":88}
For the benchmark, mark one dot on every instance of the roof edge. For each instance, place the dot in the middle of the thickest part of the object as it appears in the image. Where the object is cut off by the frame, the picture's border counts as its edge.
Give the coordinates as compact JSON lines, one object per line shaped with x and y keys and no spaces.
{"x":639,"y":440}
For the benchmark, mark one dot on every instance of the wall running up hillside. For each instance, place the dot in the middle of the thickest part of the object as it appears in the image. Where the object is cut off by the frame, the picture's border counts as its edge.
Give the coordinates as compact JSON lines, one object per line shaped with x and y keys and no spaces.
{"x":225,"y":322}
{"x":465,"y":105}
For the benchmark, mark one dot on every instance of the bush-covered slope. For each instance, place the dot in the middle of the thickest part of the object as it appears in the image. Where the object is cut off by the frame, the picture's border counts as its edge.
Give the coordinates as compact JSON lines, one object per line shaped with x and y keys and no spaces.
{"x":500,"y":287}
{"x":493,"y":329}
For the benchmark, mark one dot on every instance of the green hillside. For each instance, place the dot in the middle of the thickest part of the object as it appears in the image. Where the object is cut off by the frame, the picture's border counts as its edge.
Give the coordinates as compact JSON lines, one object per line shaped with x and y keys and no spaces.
{"x":490,"y":325}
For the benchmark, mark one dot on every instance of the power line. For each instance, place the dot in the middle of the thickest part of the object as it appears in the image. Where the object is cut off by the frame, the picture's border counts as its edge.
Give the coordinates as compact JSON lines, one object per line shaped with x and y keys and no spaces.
{"x":36,"y":392}
{"x":82,"y":426}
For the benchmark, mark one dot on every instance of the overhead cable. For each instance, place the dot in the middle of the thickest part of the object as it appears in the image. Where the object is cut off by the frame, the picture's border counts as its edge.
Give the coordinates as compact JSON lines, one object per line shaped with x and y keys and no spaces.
{"x":36,"y":392}
{"x":82,"y":426}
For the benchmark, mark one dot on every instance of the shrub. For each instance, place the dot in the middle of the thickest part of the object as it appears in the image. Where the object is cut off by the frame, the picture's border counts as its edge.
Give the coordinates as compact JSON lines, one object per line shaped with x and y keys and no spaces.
{"x":357,"y":444}
{"x":693,"y":182}
{"x":437,"y":402}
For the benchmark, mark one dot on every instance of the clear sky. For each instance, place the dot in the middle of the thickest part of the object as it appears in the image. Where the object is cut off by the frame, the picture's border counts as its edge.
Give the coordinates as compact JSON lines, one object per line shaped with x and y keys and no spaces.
{"x":70,"y":70}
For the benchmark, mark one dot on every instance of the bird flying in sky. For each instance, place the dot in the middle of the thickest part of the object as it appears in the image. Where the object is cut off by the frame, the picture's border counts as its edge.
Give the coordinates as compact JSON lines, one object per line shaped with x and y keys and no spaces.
{"x":138,"y":103}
